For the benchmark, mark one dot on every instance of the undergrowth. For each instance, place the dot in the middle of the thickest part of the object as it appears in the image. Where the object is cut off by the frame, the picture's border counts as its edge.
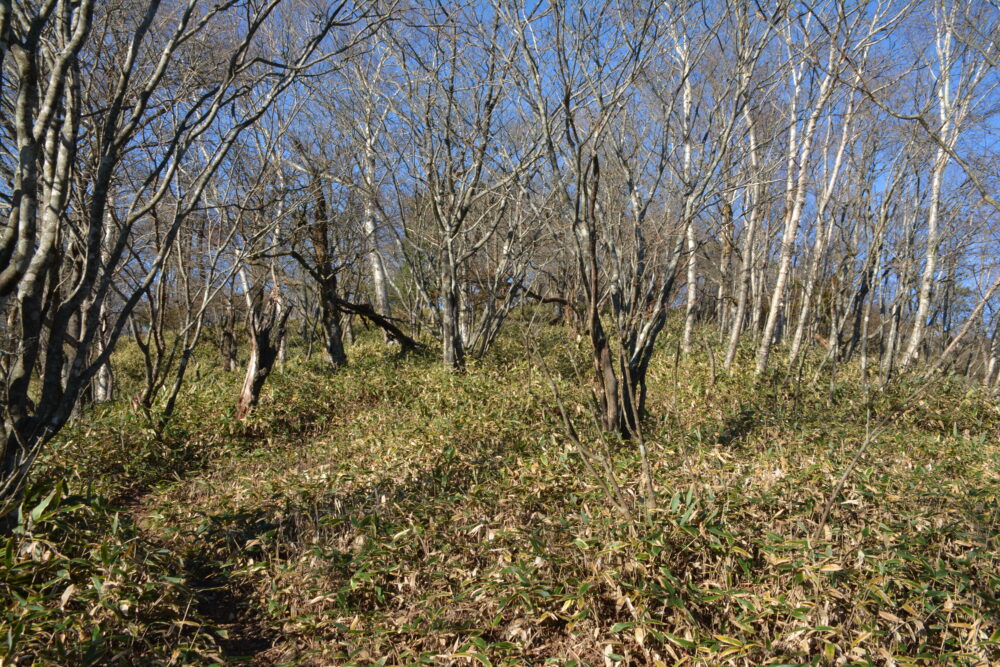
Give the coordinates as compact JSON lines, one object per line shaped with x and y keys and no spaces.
{"x":395,"y":513}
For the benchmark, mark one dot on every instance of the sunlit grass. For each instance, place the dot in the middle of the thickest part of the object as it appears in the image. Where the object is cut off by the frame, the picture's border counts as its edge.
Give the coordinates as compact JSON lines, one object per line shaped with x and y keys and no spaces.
{"x":395,"y":513}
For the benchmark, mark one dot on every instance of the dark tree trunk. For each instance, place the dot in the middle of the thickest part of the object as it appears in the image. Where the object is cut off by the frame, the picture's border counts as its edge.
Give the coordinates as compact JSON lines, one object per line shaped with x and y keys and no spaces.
{"x":333,"y":334}
{"x":384,"y":322}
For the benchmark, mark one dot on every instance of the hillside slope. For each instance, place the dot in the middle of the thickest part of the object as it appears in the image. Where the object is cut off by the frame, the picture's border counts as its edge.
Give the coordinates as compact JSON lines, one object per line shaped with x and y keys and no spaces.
{"x":394,"y":513}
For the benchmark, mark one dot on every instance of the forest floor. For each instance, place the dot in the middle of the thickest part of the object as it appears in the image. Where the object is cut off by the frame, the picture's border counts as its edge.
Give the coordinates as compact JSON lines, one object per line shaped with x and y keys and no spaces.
{"x":395,"y":513}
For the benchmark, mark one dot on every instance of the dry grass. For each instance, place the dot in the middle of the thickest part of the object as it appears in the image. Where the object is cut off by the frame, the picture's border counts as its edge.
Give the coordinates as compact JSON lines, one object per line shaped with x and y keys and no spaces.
{"x":396,"y":514}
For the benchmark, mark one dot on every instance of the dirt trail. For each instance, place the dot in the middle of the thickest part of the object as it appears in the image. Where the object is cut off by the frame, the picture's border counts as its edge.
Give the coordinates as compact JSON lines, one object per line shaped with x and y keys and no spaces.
{"x":238,"y":627}
{"x":226,"y":609}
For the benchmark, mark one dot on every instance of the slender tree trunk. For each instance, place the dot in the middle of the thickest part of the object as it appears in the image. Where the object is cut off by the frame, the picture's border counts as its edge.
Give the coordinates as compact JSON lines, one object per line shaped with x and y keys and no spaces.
{"x":824,"y":229}
{"x":375,"y":262}
{"x":692,"y":290}
{"x":900,"y":297}
{"x":799,"y":155}
{"x":757,"y":281}
{"x":282,"y":348}
{"x":930,"y":264}
{"x":752,"y":200}
{"x":104,"y":388}
{"x":104,"y":379}
{"x":692,"y":241}
{"x":228,"y":339}
{"x":466,"y":317}
{"x":941,"y":160}
{"x":453,"y":352}
{"x":746,"y":275}
{"x":722,"y":308}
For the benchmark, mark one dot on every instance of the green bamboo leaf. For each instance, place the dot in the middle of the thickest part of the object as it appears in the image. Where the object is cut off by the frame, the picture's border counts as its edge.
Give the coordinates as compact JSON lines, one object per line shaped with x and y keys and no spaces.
{"x":618,"y":627}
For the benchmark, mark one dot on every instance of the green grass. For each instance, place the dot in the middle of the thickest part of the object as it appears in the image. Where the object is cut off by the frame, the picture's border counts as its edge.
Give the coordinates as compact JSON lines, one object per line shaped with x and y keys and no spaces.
{"x":394,"y":513}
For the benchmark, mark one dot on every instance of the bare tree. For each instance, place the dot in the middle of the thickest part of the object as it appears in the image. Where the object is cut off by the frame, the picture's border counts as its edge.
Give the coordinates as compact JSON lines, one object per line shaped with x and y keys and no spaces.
{"x":57,"y":305}
{"x":461,"y":122}
{"x":266,"y":326}
{"x":956,"y":89}
{"x":614,"y":133}
{"x":811,"y":87}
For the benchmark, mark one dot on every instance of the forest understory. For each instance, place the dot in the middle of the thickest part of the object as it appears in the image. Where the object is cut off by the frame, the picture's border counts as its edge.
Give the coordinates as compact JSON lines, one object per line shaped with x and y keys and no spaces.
{"x":494,"y":332}
{"x":394,"y":512}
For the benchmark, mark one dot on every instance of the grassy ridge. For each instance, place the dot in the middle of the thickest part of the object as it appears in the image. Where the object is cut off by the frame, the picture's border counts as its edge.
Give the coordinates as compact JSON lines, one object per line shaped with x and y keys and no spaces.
{"x":394,"y":513}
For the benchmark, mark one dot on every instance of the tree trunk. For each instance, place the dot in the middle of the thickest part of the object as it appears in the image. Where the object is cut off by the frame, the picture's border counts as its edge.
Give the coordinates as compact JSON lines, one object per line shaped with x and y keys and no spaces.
{"x":692,"y":291}
{"x":228,"y":339}
{"x":691,"y":240}
{"x":104,"y":379}
{"x":333,"y":335}
{"x":752,"y":200}
{"x":282,"y":347}
{"x":722,"y":309}
{"x":798,"y":158}
{"x":941,"y":160}
{"x":757,"y":283}
{"x":453,"y":352}
{"x":267,"y":329}
{"x":824,"y":230}
{"x":375,"y":262}
{"x":896,"y":315}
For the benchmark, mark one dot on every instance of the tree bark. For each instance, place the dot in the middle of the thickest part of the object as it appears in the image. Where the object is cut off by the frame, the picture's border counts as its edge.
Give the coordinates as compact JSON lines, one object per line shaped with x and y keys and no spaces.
{"x":452,"y":349}
{"x":333,"y":334}
{"x":267,"y":329}
{"x":375,"y":262}
{"x":228,"y":339}
{"x":752,"y":202}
